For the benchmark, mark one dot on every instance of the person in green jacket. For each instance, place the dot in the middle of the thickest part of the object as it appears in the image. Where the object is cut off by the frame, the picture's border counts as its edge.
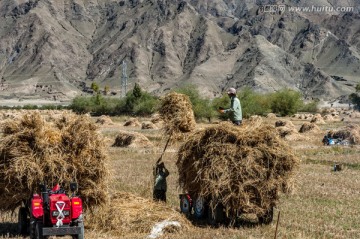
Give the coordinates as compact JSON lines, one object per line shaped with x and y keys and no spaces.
{"x":160,"y":186}
{"x":235,"y":107}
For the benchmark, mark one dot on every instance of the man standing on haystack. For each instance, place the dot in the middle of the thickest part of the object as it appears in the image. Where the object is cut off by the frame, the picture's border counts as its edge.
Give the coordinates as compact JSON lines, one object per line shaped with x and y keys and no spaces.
{"x":160,"y":185}
{"x":235,"y":107}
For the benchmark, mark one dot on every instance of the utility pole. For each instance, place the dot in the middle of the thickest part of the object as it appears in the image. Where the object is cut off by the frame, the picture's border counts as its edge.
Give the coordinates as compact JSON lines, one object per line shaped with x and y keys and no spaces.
{"x":124,"y":80}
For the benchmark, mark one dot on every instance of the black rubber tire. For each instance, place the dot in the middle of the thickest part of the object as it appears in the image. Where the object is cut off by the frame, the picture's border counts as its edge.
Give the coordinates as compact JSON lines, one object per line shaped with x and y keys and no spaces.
{"x":22,"y":222}
{"x":199,"y":208}
{"x":268,"y":217}
{"x":216,"y":217}
{"x":185,"y":206}
{"x":38,"y":230}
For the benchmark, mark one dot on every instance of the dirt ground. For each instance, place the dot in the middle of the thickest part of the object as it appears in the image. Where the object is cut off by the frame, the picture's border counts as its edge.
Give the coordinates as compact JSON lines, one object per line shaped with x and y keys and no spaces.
{"x":325,"y":203}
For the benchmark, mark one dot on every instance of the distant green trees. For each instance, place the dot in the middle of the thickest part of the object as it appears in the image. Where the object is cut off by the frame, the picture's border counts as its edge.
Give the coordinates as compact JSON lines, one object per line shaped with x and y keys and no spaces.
{"x":355,"y":98}
{"x":136,"y":102}
{"x":141,"y":103}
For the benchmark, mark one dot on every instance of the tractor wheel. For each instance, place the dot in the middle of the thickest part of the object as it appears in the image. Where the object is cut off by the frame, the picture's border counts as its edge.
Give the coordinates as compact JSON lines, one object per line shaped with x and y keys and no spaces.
{"x":81,"y":234}
{"x":185,"y":206}
{"x":199,"y":208}
{"x":216,"y":216}
{"x":267,"y":218}
{"x":22,"y":221}
{"x":38,"y":230}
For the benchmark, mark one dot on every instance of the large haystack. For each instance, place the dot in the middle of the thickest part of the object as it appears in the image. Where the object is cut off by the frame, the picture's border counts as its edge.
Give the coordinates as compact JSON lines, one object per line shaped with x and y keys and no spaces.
{"x":243,"y":168}
{"x":131,"y":140}
{"x":176,"y":111}
{"x":132,"y":216}
{"x":33,"y":151}
{"x":350,"y":133}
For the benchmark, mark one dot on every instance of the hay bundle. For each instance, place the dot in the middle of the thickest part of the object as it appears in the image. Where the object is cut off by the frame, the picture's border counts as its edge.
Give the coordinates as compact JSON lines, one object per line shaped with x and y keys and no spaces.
{"x":133,"y":122}
{"x":354,"y":115}
{"x":350,"y":132}
{"x":271,"y":116}
{"x":132,"y":216}
{"x":176,"y":111}
{"x":289,"y":134}
{"x":131,"y":140}
{"x":104,"y":119}
{"x":242,"y":168}
{"x":317,"y":119}
{"x":328,"y":118}
{"x":307,"y":127}
{"x":33,"y":151}
{"x":285,"y":123}
{"x":148,"y":125}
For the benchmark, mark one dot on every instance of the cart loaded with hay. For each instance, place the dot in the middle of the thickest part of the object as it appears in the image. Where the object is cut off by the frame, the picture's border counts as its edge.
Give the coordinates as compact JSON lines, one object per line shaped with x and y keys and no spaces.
{"x":228,"y":171}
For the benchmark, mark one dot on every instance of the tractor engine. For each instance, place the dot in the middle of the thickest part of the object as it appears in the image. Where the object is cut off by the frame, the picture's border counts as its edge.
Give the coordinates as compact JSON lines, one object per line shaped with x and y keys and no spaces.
{"x":53,"y":213}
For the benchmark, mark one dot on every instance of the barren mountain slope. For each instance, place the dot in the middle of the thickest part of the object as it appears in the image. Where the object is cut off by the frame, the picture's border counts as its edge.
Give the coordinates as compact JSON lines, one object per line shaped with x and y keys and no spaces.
{"x":53,"y":49}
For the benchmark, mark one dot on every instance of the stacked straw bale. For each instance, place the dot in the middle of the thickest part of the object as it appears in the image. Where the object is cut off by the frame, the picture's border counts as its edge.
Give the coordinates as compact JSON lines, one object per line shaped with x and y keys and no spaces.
{"x":243,"y":168}
{"x":33,"y":151}
{"x":132,"y":216}
{"x":131,"y":140}
{"x":177,"y":114}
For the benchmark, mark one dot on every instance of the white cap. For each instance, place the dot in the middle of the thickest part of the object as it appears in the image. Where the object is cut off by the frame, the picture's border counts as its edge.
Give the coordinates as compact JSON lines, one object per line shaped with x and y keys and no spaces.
{"x":231,"y":91}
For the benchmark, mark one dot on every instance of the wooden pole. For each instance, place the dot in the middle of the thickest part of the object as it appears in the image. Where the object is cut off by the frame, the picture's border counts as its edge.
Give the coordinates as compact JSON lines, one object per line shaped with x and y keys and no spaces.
{"x":277,"y":224}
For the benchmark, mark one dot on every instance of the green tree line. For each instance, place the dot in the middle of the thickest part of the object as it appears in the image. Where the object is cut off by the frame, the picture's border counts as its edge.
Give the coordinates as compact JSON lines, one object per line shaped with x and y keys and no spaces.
{"x":141,"y":103}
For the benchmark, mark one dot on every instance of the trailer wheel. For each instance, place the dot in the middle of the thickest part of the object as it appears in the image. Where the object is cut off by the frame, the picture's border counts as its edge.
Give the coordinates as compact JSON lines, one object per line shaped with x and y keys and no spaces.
{"x":216,"y":216}
{"x":22,"y":221}
{"x":268,"y":217}
{"x":199,"y":208}
{"x":185,"y":206}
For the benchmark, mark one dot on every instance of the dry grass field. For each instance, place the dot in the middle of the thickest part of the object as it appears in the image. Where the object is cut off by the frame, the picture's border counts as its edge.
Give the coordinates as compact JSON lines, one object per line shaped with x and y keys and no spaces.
{"x":325,"y":204}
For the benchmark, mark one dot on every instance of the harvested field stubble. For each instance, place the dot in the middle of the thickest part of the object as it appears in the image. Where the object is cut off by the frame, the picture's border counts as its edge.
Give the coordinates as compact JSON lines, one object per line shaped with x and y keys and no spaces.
{"x":33,"y":151}
{"x":243,"y":168}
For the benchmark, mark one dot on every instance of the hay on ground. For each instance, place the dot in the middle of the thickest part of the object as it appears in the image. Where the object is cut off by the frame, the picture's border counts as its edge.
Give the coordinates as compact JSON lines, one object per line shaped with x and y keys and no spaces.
{"x":308,"y":127}
{"x":328,"y":118}
{"x":177,"y":114}
{"x":350,"y":132}
{"x":148,"y":125}
{"x":129,"y":215}
{"x":286,"y":123}
{"x":33,"y":151}
{"x":271,"y":116}
{"x":104,"y":120}
{"x":131,"y":140}
{"x":317,"y":119}
{"x":132,"y":122}
{"x":243,"y":168}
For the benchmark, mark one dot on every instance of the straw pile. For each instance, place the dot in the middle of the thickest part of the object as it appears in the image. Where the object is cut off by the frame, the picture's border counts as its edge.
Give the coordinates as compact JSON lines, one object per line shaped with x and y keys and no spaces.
{"x":317,"y":119}
{"x":177,"y":114}
{"x":129,"y":215}
{"x":243,"y":168}
{"x":328,"y":118}
{"x":148,"y":125}
{"x":133,"y":122}
{"x":104,"y":119}
{"x":308,"y":127}
{"x":271,"y":116}
{"x":350,"y":132}
{"x":131,"y":140}
{"x":286,"y":123}
{"x":33,"y":151}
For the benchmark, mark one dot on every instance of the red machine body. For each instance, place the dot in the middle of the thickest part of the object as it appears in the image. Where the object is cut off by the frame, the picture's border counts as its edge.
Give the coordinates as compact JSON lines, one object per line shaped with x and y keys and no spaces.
{"x":53,"y":213}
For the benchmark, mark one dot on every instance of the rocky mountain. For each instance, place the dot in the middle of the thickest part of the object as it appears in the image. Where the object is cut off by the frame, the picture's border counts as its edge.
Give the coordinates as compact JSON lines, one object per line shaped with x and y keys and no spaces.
{"x":55,"y":49}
